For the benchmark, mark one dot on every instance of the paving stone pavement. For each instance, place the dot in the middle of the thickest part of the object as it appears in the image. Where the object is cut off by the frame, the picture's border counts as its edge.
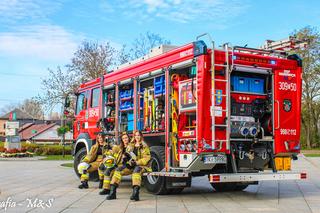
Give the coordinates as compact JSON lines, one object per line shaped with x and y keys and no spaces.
{"x":23,"y":184}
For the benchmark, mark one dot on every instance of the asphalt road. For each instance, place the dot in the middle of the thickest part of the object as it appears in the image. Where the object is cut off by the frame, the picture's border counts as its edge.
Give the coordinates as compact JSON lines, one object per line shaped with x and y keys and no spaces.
{"x":45,"y":186}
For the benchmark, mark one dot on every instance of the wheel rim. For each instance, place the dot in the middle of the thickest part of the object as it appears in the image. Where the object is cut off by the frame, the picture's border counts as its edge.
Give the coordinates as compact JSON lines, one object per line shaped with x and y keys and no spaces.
{"x":81,"y":159}
{"x":152,"y":179}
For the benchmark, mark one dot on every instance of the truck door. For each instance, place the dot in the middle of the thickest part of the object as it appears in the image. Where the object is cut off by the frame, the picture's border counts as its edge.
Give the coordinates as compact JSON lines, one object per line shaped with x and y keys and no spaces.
{"x":80,"y":123}
{"x":287,"y":101}
{"x":93,"y":111}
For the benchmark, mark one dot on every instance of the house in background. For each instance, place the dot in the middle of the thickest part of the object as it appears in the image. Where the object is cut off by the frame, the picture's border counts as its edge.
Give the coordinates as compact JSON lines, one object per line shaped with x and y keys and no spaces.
{"x":20,"y":116}
{"x":34,"y":130}
{"x":45,"y":133}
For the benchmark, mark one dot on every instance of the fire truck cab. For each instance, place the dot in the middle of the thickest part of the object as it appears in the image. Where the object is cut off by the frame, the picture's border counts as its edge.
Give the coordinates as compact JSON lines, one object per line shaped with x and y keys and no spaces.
{"x":232,"y":114}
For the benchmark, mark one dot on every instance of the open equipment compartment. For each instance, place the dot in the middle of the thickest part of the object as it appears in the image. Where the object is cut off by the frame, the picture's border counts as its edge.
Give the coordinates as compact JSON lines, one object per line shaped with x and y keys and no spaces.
{"x":251,"y":119}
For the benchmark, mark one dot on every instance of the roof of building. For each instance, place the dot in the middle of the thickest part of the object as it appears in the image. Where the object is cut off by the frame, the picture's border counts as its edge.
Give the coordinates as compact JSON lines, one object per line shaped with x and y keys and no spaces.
{"x":33,"y":130}
{"x":24,"y":126}
{"x":20,"y":115}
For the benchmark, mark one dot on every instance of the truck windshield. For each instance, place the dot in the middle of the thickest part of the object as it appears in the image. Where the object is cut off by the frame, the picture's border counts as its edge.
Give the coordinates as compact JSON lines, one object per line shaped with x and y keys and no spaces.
{"x":81,"y":102}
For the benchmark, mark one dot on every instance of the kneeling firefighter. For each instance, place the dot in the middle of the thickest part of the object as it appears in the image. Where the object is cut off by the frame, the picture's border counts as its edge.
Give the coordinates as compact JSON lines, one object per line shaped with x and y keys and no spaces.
{"x":114,"y":159}
{"x":140,"y":157}
{"x":93,"y":160}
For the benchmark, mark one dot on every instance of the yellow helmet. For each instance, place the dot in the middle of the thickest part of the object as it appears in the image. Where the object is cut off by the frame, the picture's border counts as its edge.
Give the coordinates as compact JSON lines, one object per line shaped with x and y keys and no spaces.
{"x":109,"y":162}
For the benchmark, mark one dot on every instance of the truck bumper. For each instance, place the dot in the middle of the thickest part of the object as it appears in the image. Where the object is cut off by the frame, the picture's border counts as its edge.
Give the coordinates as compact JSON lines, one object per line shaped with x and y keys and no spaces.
{"x":250,"y":177}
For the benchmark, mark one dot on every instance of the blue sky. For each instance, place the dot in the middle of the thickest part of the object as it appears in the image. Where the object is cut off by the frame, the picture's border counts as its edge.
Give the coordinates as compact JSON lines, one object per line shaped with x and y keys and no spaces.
{"x":37,"y":34}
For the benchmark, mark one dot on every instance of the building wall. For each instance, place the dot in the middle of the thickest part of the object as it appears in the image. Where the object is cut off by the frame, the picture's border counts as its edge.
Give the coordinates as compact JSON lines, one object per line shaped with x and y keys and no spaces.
{"x":21,"y":123}
{"x":51,"y":135}
{"x":2,"y":129}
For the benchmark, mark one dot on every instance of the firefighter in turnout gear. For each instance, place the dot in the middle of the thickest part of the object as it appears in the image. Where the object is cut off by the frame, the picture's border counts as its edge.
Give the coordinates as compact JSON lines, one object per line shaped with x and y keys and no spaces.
{"x":93,"y":160}
{"x":138,"y":163}
{"x":117,"y":154}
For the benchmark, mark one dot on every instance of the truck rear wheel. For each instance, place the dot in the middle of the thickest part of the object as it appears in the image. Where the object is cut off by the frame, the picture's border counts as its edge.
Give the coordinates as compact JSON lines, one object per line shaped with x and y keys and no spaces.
{"x":156,"y":184}
{"x":78,"y":157}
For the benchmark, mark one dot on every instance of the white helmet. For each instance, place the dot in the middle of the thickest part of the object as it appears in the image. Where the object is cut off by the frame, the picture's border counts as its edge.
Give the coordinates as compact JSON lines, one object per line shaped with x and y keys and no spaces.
{"x":82,"y":167}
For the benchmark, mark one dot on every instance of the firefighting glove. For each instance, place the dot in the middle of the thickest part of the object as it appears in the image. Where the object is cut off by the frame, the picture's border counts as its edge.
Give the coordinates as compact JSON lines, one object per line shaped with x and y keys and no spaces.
{"x":132,"y":163}
{"x":102,"y":167}
{"x":127,"y":155}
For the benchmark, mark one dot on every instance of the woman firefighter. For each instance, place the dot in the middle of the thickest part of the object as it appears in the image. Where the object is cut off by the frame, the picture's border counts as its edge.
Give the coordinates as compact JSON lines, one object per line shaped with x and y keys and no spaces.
{"x":93,"y":160}
{"x":138,"y":155}
{"x":115,"y":158}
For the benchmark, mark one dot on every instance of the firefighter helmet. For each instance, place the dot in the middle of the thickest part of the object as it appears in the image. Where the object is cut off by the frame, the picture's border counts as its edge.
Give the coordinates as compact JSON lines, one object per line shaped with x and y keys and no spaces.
{"x":83,"y":167}
{"x":109,"y":162}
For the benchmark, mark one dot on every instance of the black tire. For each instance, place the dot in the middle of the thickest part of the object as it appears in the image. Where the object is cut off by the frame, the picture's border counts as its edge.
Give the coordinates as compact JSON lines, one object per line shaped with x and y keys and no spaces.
{"x":156,"y":184}
{"x":78,"y":157}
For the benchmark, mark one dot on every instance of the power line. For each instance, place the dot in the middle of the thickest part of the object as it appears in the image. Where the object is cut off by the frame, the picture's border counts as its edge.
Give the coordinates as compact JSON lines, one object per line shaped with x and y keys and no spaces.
{"x":22,"y":75}
{"x":6,"y":100}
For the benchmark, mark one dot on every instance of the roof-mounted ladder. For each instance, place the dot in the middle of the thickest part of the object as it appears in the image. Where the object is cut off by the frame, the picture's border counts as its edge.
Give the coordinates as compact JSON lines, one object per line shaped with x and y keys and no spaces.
{"x":226,"y":80}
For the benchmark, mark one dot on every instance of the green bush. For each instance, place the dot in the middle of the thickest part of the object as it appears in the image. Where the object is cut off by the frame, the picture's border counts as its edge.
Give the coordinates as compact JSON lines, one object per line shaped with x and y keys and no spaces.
{"x":63,"y":130}
{"x":46,"y":149}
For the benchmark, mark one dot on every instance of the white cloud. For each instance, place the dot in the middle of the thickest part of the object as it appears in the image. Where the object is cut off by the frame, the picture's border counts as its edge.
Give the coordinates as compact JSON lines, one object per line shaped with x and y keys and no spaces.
{"x":47,"y":42}
{"x":183,"y":11}
{"x":13,"y":11}
{"x":155,"y":4}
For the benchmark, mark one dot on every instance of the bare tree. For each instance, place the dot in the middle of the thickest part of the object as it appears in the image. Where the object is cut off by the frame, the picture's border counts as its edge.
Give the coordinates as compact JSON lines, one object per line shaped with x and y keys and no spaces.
{"x":124,"y":55}
{"x":142,"y":45}
{"x":54,"y":116}
{"x":7,"y":108}
{"x":57,"y":87}
{"x":92,"y":60}
{"x":32,"y":107}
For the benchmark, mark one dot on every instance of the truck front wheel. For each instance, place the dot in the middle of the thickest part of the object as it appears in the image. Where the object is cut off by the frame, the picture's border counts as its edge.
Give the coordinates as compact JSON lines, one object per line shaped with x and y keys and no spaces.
{"x":156,"y":184}
{"x":78,"y":157}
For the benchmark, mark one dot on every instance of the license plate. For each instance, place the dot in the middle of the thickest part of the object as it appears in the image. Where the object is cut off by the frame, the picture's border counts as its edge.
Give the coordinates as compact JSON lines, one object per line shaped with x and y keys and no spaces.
{"x":221,"y":159}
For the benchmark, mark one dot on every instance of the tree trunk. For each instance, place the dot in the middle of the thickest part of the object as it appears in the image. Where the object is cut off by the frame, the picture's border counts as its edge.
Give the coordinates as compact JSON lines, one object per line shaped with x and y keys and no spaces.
{"x":308,"y":136}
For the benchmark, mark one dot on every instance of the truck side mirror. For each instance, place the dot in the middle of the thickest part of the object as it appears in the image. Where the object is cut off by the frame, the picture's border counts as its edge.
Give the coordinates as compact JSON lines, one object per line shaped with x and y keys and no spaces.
{"x":67,"y":102}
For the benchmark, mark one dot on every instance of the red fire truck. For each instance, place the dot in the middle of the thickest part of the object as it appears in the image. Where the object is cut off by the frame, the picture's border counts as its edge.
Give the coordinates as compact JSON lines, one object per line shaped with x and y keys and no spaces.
{"x":232,"y":114}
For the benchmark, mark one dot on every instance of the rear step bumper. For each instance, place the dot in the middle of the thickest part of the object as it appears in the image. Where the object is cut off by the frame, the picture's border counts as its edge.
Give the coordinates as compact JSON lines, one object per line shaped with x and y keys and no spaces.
{"x":167,"y":174}
{"x":249,"y":177}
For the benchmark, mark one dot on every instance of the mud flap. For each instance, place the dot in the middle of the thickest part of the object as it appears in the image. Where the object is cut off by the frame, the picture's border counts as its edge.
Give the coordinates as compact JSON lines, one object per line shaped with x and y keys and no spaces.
{"x":173,"y":182}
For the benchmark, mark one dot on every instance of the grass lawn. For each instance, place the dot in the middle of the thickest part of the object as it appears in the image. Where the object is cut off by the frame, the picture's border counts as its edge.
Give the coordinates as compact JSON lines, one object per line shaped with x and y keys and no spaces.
{"x":312,"y":155}
{"x":58,"y":157}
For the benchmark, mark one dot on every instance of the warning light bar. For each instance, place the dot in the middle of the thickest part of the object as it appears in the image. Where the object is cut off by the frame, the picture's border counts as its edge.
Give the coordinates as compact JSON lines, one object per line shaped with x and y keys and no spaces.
{"x":254,"y":60}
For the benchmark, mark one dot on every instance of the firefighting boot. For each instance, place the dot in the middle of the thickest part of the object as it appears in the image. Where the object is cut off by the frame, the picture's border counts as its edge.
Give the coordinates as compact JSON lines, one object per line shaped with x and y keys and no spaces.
{"x":83,"y":185}
{"x":135,"y":193}
{"x":100,"y":184}
{"x":113,"y":192}
{"x":104,"y":192}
